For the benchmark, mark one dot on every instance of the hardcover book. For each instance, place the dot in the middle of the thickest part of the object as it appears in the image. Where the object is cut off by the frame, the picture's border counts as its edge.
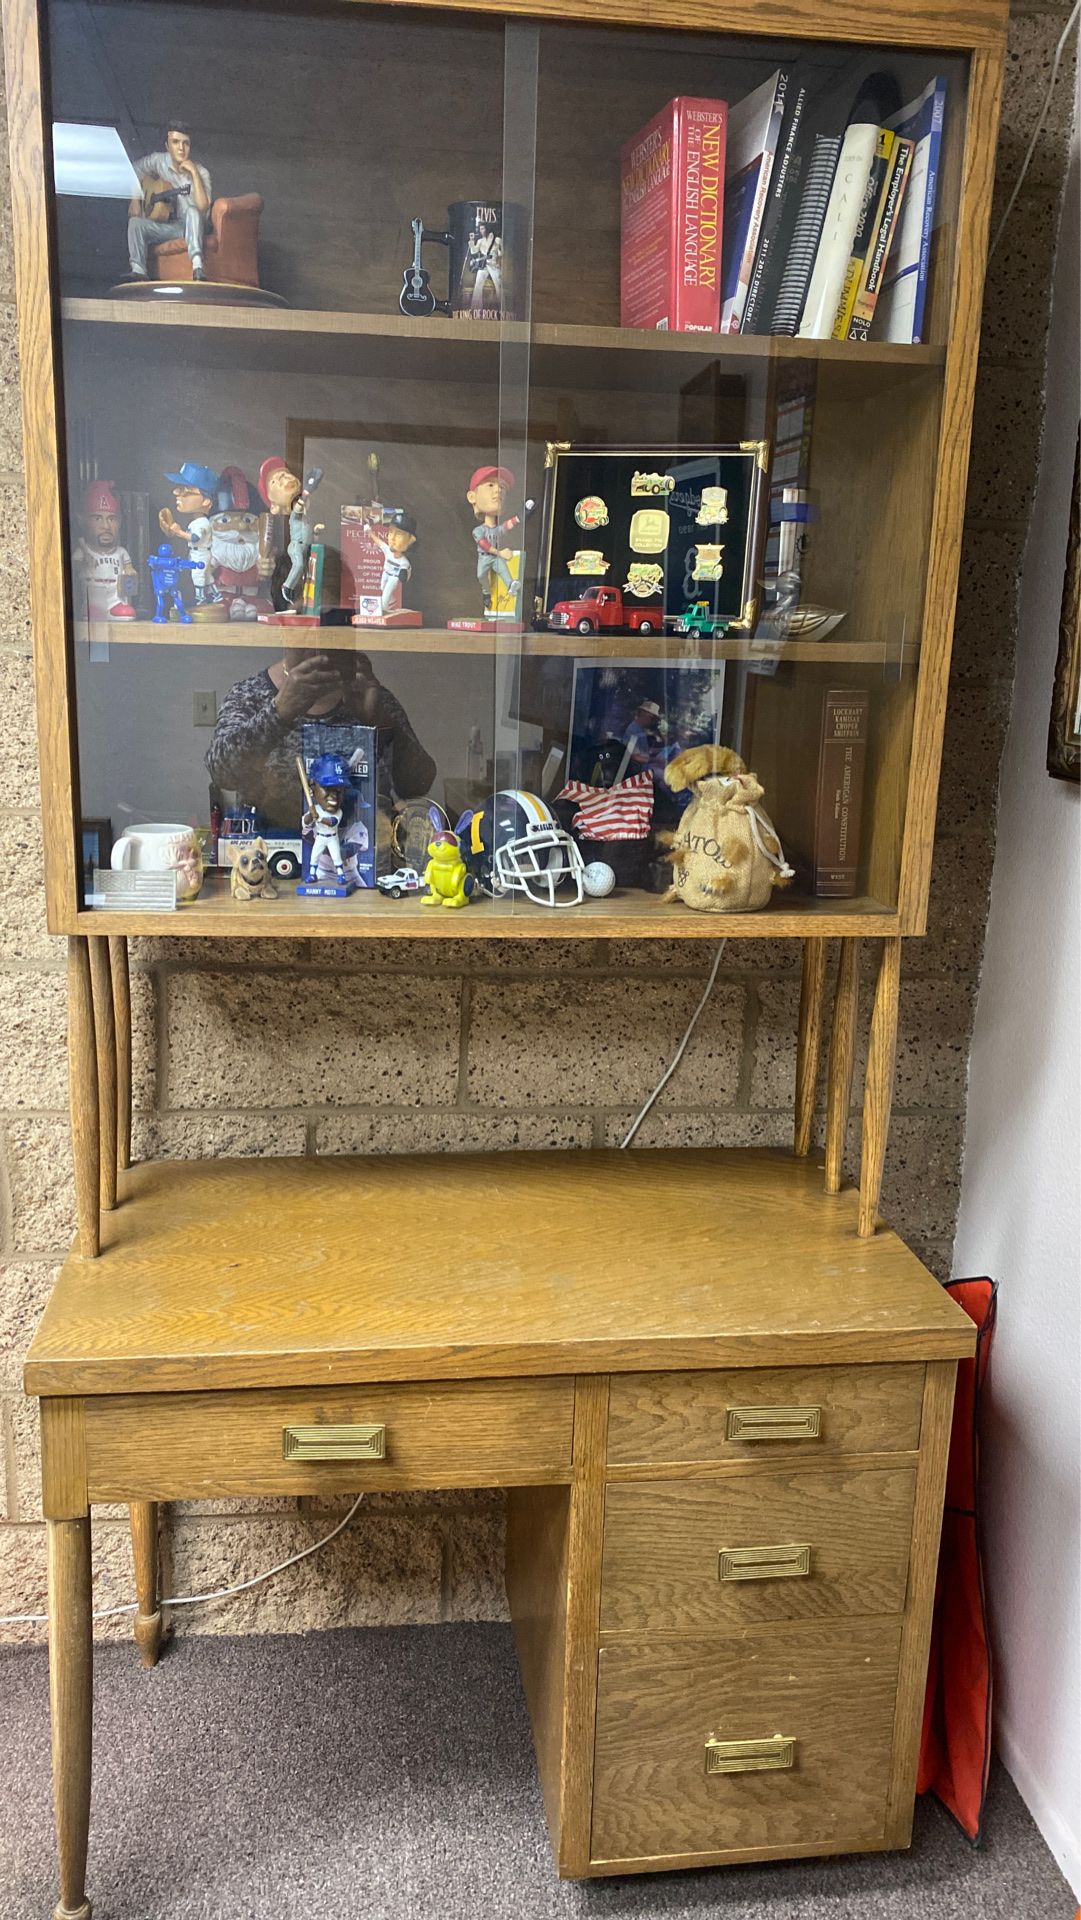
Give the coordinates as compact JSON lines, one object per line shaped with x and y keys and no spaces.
{"x":867,"y":227}
{"x":904,"y":292}
{"x":754,"y":132}
{"x":671,"y":215}
{"x":874,"y":267}
{"x":840,"y":791}
{"x":815,"y":187}
{"x":838,"y":233}
{"x":784,"y":183}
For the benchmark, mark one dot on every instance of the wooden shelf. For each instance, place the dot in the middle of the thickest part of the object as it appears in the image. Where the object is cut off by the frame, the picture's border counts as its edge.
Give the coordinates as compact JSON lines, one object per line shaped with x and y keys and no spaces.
{"x":370,"y":915}
{"x":615,"y":646}
{"x":389,"y":343}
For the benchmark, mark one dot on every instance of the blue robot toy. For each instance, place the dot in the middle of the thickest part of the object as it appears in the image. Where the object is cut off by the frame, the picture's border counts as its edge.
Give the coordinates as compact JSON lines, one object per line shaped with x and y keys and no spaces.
{"x":166,"y":567}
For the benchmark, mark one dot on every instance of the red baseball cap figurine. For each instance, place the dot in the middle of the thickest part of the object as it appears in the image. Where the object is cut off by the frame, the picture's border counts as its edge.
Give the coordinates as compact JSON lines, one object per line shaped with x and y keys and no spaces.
{"x":99,"y":497}
{"x":502,"y":474}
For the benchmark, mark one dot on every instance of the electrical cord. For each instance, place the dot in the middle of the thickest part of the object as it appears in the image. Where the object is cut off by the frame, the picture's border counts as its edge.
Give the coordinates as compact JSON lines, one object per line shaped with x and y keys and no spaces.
{"x":197,"y":1599}
{"x":682,"y":1047}
{"x":1038,"y":128}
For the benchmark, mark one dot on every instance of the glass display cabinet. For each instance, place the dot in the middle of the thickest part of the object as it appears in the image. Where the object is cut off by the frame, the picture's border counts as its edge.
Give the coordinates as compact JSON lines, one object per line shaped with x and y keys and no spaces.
{"x":519,"y":446}
{"x":464,"y":446}
{"x":821,"y":601}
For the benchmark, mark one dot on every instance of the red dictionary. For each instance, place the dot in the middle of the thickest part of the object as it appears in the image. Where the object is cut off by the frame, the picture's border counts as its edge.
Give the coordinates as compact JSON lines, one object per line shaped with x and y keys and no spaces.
{"x":671,"y":200}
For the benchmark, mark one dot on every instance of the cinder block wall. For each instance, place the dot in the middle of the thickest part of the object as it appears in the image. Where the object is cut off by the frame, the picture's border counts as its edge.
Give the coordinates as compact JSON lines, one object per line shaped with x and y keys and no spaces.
{"x":535,"y":1045}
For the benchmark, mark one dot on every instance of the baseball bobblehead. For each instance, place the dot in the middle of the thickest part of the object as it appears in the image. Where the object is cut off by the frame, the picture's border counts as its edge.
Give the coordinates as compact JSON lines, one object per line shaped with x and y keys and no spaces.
{"x":195,"y":489}
{"x":499,"y":566}
{"x":105,"y":579}
{"x":321,"y":822}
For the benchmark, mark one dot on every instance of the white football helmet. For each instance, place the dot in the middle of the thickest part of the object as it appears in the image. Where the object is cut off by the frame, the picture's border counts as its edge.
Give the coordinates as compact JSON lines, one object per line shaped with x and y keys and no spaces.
{"x":514,"y":844}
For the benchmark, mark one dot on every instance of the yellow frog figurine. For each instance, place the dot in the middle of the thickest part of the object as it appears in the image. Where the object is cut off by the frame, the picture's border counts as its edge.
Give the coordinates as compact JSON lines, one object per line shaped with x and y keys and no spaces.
{"x":444,"y":875}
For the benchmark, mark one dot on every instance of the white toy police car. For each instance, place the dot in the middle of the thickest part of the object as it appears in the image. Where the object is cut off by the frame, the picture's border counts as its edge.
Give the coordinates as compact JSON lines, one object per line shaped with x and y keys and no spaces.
{"x":405,"y":880}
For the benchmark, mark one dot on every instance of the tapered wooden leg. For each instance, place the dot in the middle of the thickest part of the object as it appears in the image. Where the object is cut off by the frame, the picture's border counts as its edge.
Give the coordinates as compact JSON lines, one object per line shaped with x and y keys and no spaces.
{"x":105,"y":1036}
{"x":878,"y":1091}
{"x":83,"y":1096}
{"x":71,"y":1653}
{"x":811,"y":998}
{"x":144,"y":1552}
{"x":842,"y":1056}
{"x":118,"y":961}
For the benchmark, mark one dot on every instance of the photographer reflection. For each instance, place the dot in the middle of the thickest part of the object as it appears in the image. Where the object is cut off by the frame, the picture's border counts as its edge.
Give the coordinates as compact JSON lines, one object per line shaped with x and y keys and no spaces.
{"x":260,"y":732}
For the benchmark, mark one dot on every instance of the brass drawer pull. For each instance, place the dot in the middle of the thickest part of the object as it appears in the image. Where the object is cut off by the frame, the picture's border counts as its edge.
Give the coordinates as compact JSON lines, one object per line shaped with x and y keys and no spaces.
{"x":763,"y":1563}
{"x":750,"y":1756}
{"x":772,"y":1423}
{"x":334,"y":1443}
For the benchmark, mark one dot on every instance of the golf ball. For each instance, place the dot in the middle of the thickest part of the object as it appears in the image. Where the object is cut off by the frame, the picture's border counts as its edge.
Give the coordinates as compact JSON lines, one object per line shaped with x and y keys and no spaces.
{"x":598,"y":879}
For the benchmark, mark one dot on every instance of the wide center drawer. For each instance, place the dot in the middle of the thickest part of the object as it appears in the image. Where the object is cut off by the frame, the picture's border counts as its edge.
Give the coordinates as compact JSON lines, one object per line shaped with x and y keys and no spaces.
{"x":778,"y":1545}
{"x":472,"y":1433}
{"x":760,"y":1413}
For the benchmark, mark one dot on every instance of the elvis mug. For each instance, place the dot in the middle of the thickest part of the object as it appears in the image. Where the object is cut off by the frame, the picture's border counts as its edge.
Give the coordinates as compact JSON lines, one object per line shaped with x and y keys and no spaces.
{"x":485,"y":242}
{"x":158,"y":847}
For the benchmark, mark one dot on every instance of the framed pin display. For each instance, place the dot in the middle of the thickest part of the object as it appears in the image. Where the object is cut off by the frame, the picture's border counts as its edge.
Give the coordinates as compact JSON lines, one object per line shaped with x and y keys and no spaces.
{"x":641,"y":540}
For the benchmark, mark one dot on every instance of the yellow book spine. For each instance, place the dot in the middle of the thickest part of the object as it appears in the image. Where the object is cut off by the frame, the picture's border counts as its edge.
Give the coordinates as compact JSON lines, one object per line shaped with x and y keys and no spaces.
{"x":865,"y":233}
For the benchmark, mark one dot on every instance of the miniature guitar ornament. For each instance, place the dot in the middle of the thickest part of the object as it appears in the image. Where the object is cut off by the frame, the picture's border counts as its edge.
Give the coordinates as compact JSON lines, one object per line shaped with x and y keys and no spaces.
{"x":416,"y":297}
{"x":160,"y":200}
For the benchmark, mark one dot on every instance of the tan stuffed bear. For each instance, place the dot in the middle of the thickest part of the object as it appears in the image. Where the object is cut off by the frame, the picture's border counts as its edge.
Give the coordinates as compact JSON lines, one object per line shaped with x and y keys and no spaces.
{"x":725,"y":855}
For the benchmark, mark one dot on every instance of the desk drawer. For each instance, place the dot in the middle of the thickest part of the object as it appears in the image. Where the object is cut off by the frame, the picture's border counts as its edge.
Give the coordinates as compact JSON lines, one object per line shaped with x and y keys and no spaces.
{"x":804,"y":1716}
{"x":186,"y":1445}
{"x":796,"y":1545}
{"x":763,"y":1413}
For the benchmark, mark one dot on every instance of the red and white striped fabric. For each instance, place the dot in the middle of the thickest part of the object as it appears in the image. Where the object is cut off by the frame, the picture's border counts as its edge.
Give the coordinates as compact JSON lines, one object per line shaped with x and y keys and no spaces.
{"x":622,"y":812}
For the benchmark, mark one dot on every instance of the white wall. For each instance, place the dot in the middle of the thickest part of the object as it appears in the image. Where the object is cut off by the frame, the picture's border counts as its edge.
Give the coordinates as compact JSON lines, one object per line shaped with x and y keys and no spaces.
{"x":1020,"y":1198}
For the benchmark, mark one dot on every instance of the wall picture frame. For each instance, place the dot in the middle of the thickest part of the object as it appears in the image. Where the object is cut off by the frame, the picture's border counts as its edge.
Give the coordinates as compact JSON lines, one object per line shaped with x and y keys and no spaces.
{"x":1064,"y":731}
{"x":669,"y":526}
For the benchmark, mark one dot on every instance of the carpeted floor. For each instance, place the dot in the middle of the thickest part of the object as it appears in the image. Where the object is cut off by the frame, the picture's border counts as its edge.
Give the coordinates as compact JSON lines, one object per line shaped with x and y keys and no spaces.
{"x":388,"y":1775}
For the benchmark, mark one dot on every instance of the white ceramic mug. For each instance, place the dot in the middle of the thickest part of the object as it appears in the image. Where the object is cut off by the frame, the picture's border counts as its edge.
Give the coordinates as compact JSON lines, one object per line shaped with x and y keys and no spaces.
{"x":161,"y":847}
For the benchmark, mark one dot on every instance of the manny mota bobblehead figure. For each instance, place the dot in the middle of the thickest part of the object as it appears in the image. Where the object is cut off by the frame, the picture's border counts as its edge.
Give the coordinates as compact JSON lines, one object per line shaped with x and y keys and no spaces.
{"x":323,"y":818}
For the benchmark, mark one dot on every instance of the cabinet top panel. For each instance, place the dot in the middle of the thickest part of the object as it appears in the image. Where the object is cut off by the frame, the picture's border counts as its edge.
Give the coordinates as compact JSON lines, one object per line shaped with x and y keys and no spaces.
{"x":928,"y":23}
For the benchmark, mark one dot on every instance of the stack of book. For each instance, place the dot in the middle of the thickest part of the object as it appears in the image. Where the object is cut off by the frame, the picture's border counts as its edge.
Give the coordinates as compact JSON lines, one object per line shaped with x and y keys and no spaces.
{"x":778,"y":216}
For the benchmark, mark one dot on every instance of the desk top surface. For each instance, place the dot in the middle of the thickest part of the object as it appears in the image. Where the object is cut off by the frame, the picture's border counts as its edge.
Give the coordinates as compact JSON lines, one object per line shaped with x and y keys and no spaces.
{"x":249,"y":1273}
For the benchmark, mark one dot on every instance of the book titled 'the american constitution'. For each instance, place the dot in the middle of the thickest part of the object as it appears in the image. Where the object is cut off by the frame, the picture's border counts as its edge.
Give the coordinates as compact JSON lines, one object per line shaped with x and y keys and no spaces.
{"x":671,"y":212}
{"x":840,"y":791}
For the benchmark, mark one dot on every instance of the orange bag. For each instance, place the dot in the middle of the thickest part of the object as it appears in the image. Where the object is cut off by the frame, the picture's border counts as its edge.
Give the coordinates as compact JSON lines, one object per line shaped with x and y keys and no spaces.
{"x":955,"y":1751}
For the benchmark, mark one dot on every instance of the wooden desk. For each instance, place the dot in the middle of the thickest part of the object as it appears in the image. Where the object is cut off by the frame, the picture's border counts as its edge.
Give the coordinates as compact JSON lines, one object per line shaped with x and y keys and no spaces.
{"x":722,"y":1416}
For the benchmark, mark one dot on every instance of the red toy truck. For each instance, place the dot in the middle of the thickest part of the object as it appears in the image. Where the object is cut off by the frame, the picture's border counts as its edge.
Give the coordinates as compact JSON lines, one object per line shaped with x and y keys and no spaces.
{"x":603,"y":607}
